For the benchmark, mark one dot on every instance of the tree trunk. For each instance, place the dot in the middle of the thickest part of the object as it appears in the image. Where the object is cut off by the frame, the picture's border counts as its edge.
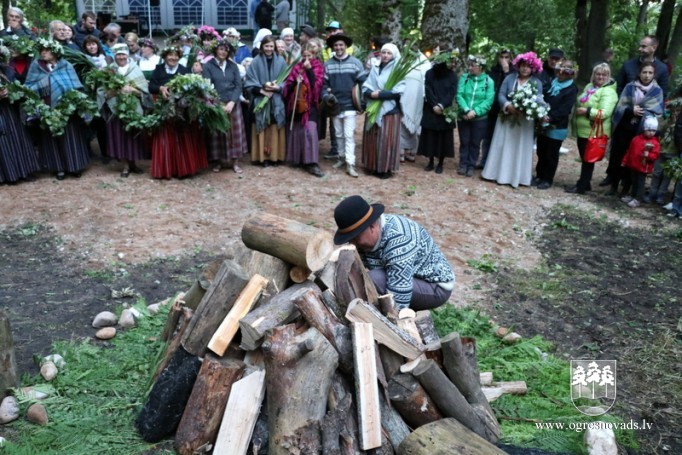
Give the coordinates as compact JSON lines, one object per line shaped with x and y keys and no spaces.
{"x":291,"y":241}
{"x":445,"y":20}
{"x":445,"y":437}
{"x":274,"y":269}
{"x":596,"y":33}
{"x":664,"y":26}
{"x":213,"y":308}
{"x":391,"y":27}
{"x":676,"y":39}
{"x":279,"y":310}
{"x":412,"y":401}
{"x":8,"y":363}
{"x":299,"y":370}
{"x":581,"y":40}
{"x":640,"y":27}
{"x":204,"y":411}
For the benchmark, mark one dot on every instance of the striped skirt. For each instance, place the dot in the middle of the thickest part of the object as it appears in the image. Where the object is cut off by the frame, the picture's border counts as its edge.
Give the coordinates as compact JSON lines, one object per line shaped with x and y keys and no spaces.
{"x":18,"y":159}
{"x":124,"y":145}
{"x":381,"y":146}
{"x":303,"y":146}
{"x":67,"y":153}
{"x":231,"y":145}
{"x":178,"y":151}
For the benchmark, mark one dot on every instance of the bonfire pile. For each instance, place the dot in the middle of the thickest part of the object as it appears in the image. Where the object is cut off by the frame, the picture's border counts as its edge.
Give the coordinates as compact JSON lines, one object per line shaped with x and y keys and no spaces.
{"x":324,"y":366}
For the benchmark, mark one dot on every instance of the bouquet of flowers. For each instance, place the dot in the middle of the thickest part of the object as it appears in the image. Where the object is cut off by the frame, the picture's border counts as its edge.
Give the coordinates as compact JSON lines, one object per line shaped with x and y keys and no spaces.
{"x":524,"y":99}
{"x":451,"y":113}
{"x":21,"y":45}
{"x":193,"y":99}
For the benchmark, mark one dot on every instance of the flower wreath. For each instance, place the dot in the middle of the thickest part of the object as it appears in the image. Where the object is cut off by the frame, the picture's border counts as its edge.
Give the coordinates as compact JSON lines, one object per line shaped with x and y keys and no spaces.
{"x":21,"y":45}
{"x":207,"y":31}
{"x":167,"y":50}
{"x":51,"y":45}
{"x":530,"y":59}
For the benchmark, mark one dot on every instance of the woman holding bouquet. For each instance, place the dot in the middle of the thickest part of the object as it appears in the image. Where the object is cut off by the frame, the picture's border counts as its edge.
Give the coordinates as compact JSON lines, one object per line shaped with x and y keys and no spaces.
{"x":598,"y":98}
{"x":302,"y":90}
{"x":224,"y":74}
{"x":639,"y":99}
{"x":560,"y":96}
{"x":51,"y":76}
{"x":381,"y":140}
{"x":178,"y":147}
{"x":126,"y":145}
{"x":268,"y":136}
{"x":510,"y":159}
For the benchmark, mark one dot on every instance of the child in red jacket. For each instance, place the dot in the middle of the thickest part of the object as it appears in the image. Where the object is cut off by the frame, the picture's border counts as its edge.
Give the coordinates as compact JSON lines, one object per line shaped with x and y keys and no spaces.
{"x":639,"y":159}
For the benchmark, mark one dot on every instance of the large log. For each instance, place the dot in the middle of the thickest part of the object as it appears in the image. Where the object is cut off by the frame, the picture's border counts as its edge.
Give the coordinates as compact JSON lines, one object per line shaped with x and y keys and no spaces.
{"x":228,"y":328}
{"x":366,"y":388}
{"x":385,"y":332}
{"x":291,"y":241}
{"x":241,"y":413}
{"x":450,"y":400}
{"x":339,"y":426}
{"x":278,"y":310}
{"x":461,"y":366}
{"x":352,"y":280}
{"x":173,"y":344}
{"x":213,"y":308}
{"x":393,"y":426}
{"x":8,"y":362}
{"x":391,"y":361}
{"x":299,"y":371}
{"x":411,"y":400}
{"x":317,"y":315}
{"x":274,"y":269}
{"x":446,"y":437}
{"x":204,"y":411}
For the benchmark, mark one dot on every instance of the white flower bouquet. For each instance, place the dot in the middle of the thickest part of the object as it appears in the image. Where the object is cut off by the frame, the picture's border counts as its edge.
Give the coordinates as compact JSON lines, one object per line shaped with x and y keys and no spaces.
{"x":525,"y":100}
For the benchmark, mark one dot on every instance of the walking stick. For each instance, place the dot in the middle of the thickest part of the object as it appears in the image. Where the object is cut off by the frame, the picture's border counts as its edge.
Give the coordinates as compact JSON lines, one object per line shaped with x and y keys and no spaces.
{"x":293,"y":113}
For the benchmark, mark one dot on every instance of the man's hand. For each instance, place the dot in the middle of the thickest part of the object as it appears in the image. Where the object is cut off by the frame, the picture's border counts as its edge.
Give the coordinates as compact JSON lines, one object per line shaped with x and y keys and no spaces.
{"x":163,"y":90}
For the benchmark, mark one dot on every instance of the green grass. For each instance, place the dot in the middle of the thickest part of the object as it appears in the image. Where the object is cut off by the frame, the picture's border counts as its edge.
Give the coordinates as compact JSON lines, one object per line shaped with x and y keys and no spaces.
{"x":547,"y":378}
{"x":96,"y":396}
{"x":486,"y":264}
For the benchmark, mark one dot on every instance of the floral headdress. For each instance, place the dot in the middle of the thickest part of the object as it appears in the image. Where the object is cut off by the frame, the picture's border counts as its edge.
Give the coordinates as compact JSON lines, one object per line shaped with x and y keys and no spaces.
{"x":148,"y":42}
{"x":167,"y":50}
{"x":222,"y":42}
{"x":206,"y":31}
{"x":51,"y":45}
{"x":530,"y":59}
{"x":477,"y":60}
{"x":20,"y":45}
{"x":186,"y":33}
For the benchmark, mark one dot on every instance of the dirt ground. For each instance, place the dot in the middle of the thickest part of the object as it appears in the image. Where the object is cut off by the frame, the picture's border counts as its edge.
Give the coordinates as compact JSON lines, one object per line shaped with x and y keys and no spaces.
{"x":66,"y":244}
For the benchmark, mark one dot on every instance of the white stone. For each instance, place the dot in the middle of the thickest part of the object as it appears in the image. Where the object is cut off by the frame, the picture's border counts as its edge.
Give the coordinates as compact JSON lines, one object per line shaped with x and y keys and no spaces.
{"x":34,"y":394}
{"x":136,"y":313}
{"x":511,"y":338}
{"x":600,"y":441}
{"x":2,"y":441}
{"x":104,"y":319}
{"x":57,"y":359}
{"x":127,"y":319}
{"x":9,"y":410}
{"x":106,"y":333}
{"x":153,"y":308}
{"x":48,"y":371}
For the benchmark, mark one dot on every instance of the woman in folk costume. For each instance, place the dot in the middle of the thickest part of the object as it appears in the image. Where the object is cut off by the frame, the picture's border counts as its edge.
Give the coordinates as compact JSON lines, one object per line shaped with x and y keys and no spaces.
{"x":127,"y":146}
{"x":17,"y":157}
{"x":302,"y":90}
{"x":268,"y":136}
{"x":177,"y":147}
{"x":51,"y":76}
{"x":224,"y":74}
{"x":381,"y":141}
{"x":412,"y":105}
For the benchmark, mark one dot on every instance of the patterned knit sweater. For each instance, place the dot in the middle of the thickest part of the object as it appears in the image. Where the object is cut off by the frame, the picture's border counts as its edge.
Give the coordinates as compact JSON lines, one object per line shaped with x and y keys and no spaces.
{"x":406,"y":250}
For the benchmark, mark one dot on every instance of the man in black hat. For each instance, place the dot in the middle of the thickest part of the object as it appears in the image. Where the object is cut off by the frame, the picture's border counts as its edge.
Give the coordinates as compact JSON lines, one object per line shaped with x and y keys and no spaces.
{"x":549,"y":66}
{"x":341,"y":73}
{"x":401,"y":256}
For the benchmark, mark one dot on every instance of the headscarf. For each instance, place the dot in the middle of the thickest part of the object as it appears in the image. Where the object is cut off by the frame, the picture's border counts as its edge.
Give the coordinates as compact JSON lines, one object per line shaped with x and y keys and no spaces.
{"x":262,"y":33}
{"x":393,"y":49}
{"x":286,"y":32}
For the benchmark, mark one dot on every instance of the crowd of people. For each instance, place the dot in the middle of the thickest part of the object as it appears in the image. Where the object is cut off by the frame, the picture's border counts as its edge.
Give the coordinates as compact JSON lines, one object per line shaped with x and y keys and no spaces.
{"x":283,"y":95}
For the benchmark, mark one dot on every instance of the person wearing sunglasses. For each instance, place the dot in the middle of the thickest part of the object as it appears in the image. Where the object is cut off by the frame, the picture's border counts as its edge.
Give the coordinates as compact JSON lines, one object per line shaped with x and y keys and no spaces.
{"x":560,"y":97}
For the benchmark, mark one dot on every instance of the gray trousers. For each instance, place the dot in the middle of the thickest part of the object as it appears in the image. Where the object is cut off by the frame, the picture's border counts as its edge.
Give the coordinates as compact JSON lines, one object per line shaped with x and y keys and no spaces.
{"x":425,"y":295}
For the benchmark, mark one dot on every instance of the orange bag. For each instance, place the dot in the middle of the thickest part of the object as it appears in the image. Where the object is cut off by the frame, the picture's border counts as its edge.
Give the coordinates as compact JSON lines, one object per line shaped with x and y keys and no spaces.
{"x":596,"y":142}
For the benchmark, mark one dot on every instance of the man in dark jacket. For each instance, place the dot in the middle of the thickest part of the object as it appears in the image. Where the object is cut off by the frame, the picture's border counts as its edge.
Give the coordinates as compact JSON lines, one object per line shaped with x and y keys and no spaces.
{"x":341,"y":73}
{"x":549,"y":66}
{"x":630,"y":69}
{"x":263,"y":15}
{"x":86,"y":26}
{"x":15,"y":24}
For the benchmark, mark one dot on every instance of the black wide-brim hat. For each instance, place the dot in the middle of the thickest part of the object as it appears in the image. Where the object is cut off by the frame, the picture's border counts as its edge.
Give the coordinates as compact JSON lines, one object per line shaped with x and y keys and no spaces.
{"x":353,"y":215}
{"x":339,"y":37}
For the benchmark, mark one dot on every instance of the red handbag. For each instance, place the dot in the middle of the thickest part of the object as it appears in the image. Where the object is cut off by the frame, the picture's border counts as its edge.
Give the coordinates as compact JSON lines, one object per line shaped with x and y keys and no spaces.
{"x":596,"y":142}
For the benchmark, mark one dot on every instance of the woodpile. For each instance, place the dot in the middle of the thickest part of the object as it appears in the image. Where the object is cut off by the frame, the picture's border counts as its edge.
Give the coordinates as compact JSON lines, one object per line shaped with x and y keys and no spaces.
{"x":325,"y":366}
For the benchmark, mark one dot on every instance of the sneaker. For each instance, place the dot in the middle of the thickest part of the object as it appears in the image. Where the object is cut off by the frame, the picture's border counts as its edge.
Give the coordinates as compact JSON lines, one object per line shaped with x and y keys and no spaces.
{"x":339,"y":164}
{"x":350,"y":170}
{"x":673,"y":214}
{"x":627,"y":199}
{"x":544,"y":185}
{"x":633,"y":204}
{"x":668,"y":206}
{"x":470,"y":172}
{"x":332,"y":155}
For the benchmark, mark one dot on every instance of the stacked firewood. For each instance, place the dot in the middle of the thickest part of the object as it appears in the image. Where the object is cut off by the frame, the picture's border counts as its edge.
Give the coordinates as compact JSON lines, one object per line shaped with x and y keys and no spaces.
{"x":325,"y":366}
